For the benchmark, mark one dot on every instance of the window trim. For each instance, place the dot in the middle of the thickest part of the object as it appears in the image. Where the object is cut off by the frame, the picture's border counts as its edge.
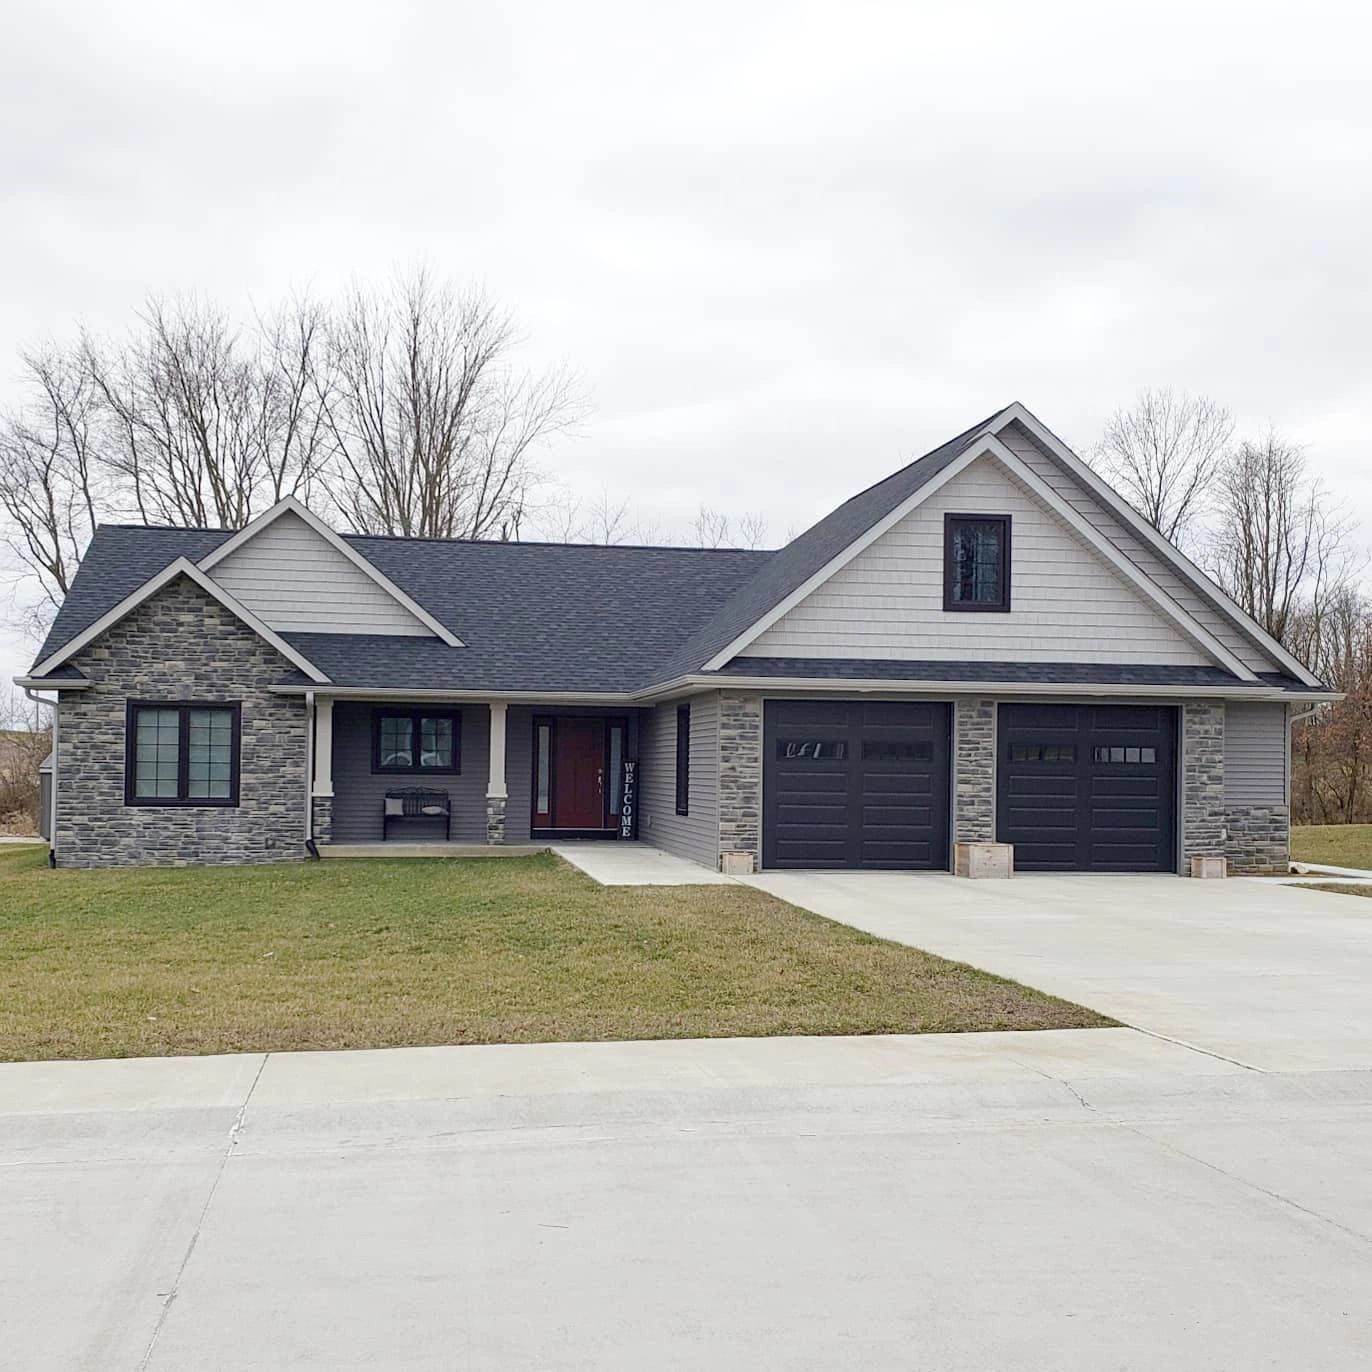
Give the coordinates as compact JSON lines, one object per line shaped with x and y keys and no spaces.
{"x":415,"y":716}
{"x":1002,"y":604}
{"x":182,"y":801}
{"x":683,"y":758}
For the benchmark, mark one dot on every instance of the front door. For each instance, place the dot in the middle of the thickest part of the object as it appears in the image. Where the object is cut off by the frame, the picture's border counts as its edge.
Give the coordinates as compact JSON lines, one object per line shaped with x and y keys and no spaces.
{"x":579,"y":774}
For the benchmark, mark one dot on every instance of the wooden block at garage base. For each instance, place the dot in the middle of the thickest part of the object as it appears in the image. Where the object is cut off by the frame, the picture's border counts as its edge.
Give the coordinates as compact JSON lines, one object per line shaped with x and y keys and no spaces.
{"x":983,"y":860}
{"x":1209,"y":867}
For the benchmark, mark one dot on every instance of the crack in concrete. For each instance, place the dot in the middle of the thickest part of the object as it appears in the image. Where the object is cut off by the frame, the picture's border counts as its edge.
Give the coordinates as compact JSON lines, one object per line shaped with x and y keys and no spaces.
{"x":170,"y":1295}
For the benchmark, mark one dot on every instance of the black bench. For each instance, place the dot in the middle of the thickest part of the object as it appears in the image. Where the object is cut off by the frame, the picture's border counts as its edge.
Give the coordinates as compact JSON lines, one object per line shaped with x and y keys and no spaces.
{"x":414,"y":802}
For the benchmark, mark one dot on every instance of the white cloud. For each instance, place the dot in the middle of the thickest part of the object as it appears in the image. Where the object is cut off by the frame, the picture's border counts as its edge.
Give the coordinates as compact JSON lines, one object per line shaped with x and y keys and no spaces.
{"x":789,"y":246}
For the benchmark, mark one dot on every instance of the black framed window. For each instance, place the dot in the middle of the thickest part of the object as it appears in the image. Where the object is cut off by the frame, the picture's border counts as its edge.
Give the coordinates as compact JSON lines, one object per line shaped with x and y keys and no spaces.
{"x":179,"y":752}
{"x":416,"y":741}
{"x":1128,"y":755}
{"x":683,"y":759}
{"x":976,"y":562}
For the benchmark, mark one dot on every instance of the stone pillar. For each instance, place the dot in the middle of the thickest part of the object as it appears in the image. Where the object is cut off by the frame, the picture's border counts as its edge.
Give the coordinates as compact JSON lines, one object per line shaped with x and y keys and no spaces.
{"x":321,"y":784}
{"x":974,"y":771}
{"x":1202,"y":754}
{"x":496,"y":792}
{"x":740,"y":779}
{"x":495,"y":819}
{"x":321,"y":823}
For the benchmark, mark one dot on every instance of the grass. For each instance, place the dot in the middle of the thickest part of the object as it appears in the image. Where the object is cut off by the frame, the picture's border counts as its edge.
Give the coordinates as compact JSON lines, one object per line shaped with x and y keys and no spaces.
{"x":1341,"y":890}
{"x":1337,"y":845}
{"x":367,"y":954}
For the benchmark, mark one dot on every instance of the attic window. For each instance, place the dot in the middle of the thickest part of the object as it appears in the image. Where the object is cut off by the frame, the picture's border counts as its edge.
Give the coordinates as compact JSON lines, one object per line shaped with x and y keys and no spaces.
{"x":976,"y":562}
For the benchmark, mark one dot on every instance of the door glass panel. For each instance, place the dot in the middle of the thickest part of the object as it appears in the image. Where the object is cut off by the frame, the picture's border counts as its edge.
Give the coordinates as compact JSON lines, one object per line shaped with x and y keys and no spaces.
{"x":791,"y":749}
{"x":616,"y":766}
{"x":541,"y":800}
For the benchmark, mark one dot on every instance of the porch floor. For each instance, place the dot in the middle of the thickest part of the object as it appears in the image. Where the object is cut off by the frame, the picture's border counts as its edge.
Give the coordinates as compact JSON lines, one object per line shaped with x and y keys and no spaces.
{"x":431,"y":849}
{"x":616,"y":863}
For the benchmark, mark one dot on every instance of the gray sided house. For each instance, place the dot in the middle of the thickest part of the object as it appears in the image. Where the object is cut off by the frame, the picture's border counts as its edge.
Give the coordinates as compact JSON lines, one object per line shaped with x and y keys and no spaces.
{"x":988,"y":645}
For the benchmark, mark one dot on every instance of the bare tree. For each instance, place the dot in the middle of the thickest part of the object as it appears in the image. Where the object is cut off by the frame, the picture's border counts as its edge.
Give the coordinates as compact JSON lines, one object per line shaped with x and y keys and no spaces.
{"x":25,"y":740}
{"x":715,"y":529}
{"x":1164,"y":455}
{"x":50,"y":484}
{"x":1278,"y":548}
{"x":203,"y":424}
{"x":607,"y":522}
{"x":433,"y":427}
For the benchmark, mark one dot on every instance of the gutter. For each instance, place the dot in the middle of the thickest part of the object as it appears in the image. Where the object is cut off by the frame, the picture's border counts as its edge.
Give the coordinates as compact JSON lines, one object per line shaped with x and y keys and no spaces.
{"x":29,"y":684}
{"x":861,"y":686}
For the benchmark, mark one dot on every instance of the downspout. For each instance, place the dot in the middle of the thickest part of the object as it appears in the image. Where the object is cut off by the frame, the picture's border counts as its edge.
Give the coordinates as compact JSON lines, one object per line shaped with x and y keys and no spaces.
{"x":52,"y":800}
{"x":311,"y":847}
{"x":1291,"y":721}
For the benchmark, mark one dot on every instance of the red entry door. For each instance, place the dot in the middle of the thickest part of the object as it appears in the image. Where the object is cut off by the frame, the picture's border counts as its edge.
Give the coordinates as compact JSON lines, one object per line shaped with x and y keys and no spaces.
{"x":579,"y":774}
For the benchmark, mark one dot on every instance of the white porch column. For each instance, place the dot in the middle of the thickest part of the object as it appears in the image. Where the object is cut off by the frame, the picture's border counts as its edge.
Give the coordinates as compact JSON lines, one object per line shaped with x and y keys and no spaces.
{"x":495,"y":785}
{"x":496,"y":794}
{"x":323,"y":746}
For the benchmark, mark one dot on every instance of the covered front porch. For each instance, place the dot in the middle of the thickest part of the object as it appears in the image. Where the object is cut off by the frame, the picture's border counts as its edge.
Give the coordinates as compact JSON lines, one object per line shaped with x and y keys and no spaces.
{"x":390,"y":774}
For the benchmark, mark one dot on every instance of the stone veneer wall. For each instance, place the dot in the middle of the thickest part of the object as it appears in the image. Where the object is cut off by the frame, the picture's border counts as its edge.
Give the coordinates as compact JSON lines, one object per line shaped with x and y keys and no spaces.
{"x":180,"y":645}
{"x":740,"y":774}
{"x":1259,"y":839}
{"x":495,"y":819}
{"x":974,"y":771}
{"x":1202,"y":787}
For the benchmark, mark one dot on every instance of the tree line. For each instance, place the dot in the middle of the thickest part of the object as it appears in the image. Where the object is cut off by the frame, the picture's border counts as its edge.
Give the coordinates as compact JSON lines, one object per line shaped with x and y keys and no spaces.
{"x":1252,"y":513}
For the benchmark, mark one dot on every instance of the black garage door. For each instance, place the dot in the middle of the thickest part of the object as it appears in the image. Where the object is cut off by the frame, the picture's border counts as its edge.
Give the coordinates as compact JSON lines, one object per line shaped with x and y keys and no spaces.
{"x":853,"y":783}
{"x":1088,"y":788}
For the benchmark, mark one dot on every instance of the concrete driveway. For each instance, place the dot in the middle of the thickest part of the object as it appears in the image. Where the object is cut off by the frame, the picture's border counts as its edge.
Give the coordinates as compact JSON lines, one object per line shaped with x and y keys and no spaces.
{"x":1083,"y":1198}
{"x":1275,"y":977}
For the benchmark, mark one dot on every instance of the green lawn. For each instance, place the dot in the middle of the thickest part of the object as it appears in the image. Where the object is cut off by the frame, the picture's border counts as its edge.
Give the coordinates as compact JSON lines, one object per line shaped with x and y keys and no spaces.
{"x":367,"y":954}
{"x":1338,"y":845}
{"x":1339,"y":890}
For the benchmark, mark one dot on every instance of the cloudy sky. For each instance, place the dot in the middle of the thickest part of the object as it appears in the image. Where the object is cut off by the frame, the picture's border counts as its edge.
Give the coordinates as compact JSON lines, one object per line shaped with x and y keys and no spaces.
{"x":787,"y":246}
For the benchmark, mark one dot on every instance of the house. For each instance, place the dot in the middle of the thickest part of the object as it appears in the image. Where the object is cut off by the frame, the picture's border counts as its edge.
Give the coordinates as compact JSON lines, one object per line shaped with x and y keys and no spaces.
{"x":987,"y":645}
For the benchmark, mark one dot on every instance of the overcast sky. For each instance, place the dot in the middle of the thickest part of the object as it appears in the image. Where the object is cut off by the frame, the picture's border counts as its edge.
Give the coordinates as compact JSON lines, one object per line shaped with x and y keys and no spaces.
{"x":787,"y":246}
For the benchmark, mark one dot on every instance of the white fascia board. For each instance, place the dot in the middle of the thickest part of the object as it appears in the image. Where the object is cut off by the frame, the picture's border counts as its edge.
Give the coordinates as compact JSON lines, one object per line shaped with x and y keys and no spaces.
{"x":1184,"y":567}
{"x":63,"y":683}
{"x":988,"y":445}
{"x":183,"y":566}
{"x":944,"y":689}
{"x":383,"y":693}
{"x":290,"y":505}
{"x":1126,"y":570}
{"x":835,"y":564}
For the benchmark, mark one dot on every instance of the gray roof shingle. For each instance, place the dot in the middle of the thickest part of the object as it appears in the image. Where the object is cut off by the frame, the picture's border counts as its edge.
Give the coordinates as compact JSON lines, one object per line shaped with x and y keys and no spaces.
{"x":576,"y":618}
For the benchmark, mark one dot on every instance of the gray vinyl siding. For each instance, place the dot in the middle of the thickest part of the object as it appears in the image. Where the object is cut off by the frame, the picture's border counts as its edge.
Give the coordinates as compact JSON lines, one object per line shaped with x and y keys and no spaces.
{"x":519,"y":758}
{"x":1068,"y":604}
{"x":295,"y":582}
{"x":694,"y":835}
{"x":1255,"y":753}
{"x":358,"y":792}
{"x":1135,"y":549}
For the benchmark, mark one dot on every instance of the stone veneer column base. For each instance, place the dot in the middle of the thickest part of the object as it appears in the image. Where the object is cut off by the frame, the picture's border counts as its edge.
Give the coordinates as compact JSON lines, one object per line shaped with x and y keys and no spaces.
{"x":740,"y":775}
{"x":1202,"y":761}
{"x":321,"y":818}
{"x":974,"y":771}
{"x":495,"y":819}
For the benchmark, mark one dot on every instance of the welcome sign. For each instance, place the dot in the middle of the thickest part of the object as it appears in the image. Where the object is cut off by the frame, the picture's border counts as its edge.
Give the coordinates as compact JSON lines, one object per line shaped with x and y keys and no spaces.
{"x":628,"y":802}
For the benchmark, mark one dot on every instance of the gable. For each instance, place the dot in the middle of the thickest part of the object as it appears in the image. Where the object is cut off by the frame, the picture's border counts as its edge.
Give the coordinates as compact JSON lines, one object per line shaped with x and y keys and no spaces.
{"x":294,"y":580}
{"x":1068,"y":604}
{"x":1146,"y":559}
